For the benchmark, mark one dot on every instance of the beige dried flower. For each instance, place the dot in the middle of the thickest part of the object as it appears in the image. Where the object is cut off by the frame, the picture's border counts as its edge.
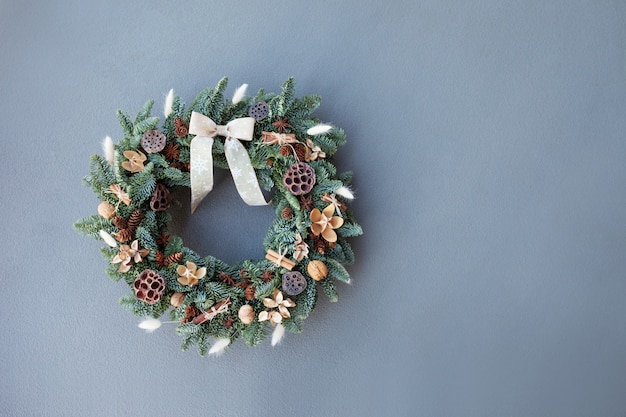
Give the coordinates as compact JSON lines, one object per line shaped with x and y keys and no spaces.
{"x":323,"y":222}
{"x":313,"y":151}
{"x":135,"y":161}
{"x":277,"y":301}
{"x":301,"y":248}
{"x":128,"y":254}
{"x":190,"y":274}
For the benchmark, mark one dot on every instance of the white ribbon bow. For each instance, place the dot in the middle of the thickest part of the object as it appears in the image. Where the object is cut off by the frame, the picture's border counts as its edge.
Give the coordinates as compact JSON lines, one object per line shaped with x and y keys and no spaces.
{"x":201,"y":158}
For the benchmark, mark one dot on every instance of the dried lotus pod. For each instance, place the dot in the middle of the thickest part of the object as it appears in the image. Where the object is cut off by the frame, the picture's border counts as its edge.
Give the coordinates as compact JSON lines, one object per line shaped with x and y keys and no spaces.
{"x":259,"y":110}
{"x":299,"y":178}
{"x":161,"y":198}
{"x":153,"y":141}
{"x":293,"y":282}
{"x":149,"y":286}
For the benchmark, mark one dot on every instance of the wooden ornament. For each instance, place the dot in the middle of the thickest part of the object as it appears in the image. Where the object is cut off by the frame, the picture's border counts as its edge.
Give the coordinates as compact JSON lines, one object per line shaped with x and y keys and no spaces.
{"x":317,"y":270}
{"x":246,"y":314}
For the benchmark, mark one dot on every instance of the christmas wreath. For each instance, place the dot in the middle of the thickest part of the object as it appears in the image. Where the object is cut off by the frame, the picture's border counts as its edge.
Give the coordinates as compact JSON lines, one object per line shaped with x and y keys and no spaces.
{"x":269,"y":141}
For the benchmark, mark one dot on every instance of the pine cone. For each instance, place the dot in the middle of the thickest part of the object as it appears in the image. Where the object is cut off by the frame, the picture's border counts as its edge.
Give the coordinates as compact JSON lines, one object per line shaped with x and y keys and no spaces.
{"x":267,"y":276}
{"x":191,"y":312}
{"x":120,"y":222}
{"x":250,"y":290}
{"x":174,"y":258}
{"x":124,"y":235}
{"x":135,"y":219}
{"x":287,"y":213}
{"x":285,"y":150}
{"x":159,"y":259}
{"x":300,"y":151}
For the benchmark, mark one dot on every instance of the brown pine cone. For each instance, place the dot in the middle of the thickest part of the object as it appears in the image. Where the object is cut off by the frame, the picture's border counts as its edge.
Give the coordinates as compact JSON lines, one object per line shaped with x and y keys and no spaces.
{"x":135,"y":219}
{"x":250,"y":290}
{"x":159,"y":259}
{"x":226,"y":279}
{"x":120,"y":222}
{"x":124,"y":235}
{"x":300,"y":150}
{"x":287,"y":213}
{"x":174,"y":258}
{"x":191,"y":312}
{"x":286,"y":150}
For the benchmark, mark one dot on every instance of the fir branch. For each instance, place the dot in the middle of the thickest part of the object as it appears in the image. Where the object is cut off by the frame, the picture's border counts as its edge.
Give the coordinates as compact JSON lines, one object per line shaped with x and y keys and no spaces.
{"x":125,"y":122}
{"x":144,"y":112}
{"x":350,"y":229}
{"x":145,"y":125}
{"x":91,"y":225}
{"x":328,"y":285}
{"x":254,"y":333}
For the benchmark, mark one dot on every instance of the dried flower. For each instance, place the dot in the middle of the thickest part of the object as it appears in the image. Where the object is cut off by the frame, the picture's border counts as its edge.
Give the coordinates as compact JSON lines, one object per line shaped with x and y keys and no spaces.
{"x":277,"y":301}
{"x":318,"y":129}
{"x":324,"y":222}
{"x":120,"y":194}
{"x":190,"y":274}
{"x":301,"y":248}
{"x":135,"y":161}
{"x":315,"y":151}
{"x":128,"y":254}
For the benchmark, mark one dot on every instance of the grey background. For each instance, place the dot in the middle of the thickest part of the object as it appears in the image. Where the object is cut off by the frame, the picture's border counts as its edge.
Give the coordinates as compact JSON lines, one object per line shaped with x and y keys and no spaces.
{"x":487,"y":142}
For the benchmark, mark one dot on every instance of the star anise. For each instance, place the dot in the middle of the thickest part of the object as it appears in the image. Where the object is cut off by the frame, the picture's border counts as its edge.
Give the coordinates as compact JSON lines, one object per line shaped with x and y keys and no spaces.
{"x":227,"y":279}
{"x":306,"y":202}
{"x":281,"y":124}
{"x":163,"y":239}
{"x":267,"y":276}
{"x":171,"y":152}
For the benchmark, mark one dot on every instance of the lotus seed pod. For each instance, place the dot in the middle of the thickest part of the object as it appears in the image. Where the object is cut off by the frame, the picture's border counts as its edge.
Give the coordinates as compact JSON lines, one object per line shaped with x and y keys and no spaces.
{"x":293,"y":282}
{"x":149,"y":286}
{"x":299,"y":178}
{"x":153,"y":141}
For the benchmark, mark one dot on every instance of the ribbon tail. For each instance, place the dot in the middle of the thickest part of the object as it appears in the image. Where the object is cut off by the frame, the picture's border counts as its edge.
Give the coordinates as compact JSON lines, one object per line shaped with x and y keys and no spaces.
{"x":201,"y":169}
{"x":243,"y":173}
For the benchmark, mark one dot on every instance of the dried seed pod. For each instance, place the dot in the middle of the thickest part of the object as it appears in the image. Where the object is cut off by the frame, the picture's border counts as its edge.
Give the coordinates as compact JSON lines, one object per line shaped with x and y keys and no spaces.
{"x":149,"y":286}
{"x":246,"y":314}
{"x":161,"y":198}
{"x":106,"y":210}
{"x":177,"y":299}
{"x":293,"y":282}
{"x":153,"y":141}
{"x":301,"y":150}
{"x":317,"y":270}
{"x":285,"y":150}
{"x":259,"y":110}
{"x":299,"y":178}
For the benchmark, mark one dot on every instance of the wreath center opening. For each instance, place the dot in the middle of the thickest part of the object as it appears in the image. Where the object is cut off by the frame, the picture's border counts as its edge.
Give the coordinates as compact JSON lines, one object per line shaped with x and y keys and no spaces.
{"x":223,"y":225}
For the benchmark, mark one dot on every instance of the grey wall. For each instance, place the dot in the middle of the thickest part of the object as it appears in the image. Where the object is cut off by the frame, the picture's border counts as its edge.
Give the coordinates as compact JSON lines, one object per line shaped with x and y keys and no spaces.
{"x":487,"y":139}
